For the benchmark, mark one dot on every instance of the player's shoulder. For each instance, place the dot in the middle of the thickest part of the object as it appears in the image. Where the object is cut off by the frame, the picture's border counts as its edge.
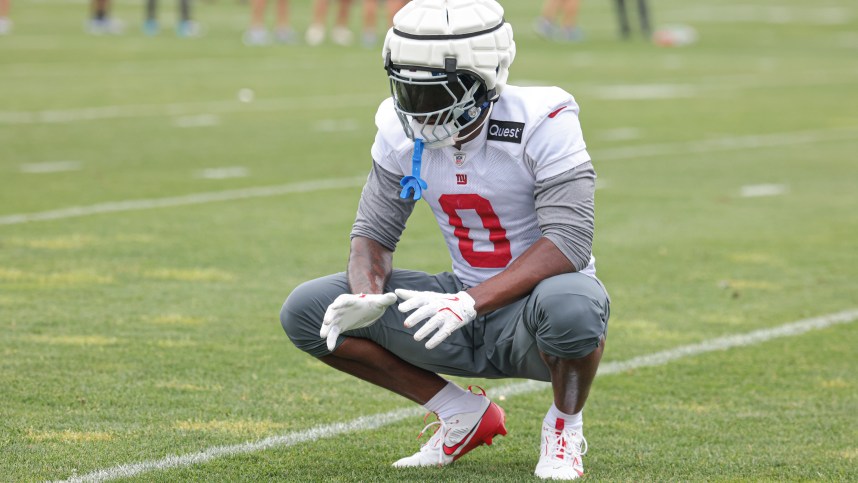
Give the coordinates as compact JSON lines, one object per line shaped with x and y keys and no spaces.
{"x":533,"y":103}
{"x":389,"y":128}
{"x":521,"y":110}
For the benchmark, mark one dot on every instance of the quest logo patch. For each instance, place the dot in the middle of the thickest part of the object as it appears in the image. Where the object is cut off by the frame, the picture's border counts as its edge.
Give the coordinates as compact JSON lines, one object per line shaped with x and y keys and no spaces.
{"x":506,"y":131}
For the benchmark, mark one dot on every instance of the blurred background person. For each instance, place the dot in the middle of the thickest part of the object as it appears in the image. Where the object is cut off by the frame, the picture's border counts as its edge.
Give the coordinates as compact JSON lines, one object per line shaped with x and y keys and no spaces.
{"x":258,"y":34}
{"x":340,"y":34}
{"x":185,"y":28}
{"x":370,"y":14}
{"x":5,"y":22}
{"x":643,"y":17}
{"x":101,"y":22}
{"x":559,"y":21}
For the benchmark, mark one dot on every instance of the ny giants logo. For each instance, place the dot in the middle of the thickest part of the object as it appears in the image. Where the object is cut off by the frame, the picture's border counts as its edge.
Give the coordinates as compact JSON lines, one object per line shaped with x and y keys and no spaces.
{"x":461,"y":178}
{"x":506,"y":131}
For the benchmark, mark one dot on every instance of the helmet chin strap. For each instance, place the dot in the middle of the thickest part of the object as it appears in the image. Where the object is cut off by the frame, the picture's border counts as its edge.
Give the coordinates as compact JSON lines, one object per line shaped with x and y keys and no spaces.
{"x":488,"y":113}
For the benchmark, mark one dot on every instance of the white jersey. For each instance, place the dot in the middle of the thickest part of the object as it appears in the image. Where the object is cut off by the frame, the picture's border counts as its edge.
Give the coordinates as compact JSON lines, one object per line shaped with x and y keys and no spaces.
{"x":483,"y":195}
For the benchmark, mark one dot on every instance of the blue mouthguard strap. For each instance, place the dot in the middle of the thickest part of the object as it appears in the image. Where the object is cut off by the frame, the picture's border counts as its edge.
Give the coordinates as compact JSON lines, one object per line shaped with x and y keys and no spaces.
{"x":414,"y":183}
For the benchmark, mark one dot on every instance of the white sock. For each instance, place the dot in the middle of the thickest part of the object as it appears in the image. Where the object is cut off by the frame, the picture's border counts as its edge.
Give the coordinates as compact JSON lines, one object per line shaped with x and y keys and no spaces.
{"x":452,"y":400}
{"x":569,"y":420}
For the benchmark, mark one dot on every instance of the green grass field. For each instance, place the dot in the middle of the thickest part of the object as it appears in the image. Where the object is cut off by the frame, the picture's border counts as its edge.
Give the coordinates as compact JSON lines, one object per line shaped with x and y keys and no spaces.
{"x":144,"y":331}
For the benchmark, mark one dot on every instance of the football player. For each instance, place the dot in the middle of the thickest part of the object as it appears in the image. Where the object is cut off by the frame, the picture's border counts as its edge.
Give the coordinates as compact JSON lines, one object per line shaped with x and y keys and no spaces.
{"x":508,"y":177}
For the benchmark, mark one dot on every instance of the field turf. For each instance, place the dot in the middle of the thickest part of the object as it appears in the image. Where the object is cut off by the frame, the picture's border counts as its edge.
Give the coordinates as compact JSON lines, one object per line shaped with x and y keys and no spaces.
{"x":139,"y":323}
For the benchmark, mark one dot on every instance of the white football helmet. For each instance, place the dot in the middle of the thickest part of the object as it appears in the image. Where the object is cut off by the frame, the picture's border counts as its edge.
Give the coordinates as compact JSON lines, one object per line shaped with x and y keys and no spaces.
{"x":448,"y":61}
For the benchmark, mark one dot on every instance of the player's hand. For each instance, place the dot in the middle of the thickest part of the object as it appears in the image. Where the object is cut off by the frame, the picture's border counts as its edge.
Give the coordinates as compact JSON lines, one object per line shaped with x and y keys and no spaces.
{"x":446,"y":313}
{"x":353,"y":311}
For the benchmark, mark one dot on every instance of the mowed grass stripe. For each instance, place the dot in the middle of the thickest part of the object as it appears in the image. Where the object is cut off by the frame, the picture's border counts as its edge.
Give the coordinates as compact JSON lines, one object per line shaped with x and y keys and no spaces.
{"x":379,"y":420}
{"x":758,"y":141}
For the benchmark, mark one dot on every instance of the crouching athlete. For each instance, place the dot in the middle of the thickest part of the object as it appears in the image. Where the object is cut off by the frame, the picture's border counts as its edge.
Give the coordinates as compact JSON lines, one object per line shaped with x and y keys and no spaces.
{"x":507,"y":175}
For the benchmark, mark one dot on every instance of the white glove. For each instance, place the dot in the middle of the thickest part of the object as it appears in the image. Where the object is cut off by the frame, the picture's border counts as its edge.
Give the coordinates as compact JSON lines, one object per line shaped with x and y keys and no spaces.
{"x":446,"y":312}
{"x":353,"y":311}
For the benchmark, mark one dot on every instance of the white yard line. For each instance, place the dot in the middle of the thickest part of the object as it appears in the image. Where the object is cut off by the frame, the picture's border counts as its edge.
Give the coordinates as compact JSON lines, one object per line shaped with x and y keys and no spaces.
{"x":663,"y":90}
{"x":630,"y":152}
{"x":760,"y":190}
{"x":188,"y":109}
{"x":196,"y":120}
{"x":641,"y":92}
{"x":50,"y":167}
{"x":379,"y":420}
{"x":192,"y":199}
{"x":736,"y":143}
{"x":224,"y":173}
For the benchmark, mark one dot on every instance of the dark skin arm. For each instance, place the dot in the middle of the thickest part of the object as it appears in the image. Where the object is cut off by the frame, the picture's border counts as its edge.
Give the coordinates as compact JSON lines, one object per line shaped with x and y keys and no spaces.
{"x":542,"y":260}
{"x":370,"y":266}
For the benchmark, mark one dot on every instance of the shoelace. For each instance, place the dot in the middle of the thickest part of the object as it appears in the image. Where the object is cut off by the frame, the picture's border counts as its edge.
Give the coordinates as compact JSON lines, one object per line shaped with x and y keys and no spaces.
{"x":558,"y":448}
{"x":439,"y":432}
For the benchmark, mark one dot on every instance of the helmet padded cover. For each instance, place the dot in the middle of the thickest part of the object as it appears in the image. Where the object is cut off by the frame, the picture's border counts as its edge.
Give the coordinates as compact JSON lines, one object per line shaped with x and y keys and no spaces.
{"x":487,"y":55}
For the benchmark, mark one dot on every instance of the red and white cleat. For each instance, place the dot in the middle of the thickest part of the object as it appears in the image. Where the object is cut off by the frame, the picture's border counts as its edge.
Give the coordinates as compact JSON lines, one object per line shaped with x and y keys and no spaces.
{"x":458,"y":435}
{"x":561,"y":452}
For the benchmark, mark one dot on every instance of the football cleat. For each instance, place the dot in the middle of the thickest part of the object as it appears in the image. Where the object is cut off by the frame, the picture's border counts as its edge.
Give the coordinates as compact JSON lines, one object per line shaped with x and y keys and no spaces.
{"x":561,"y":452}
{"x":458,"y":435}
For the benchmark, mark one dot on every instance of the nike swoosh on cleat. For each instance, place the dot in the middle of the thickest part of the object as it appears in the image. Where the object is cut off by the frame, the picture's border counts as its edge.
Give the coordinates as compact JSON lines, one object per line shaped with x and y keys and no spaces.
{"x":450,"y":450}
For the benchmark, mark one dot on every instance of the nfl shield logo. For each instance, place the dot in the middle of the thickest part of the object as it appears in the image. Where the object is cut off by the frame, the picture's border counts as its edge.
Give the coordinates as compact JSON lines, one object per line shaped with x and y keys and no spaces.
{"x":459,"y":159}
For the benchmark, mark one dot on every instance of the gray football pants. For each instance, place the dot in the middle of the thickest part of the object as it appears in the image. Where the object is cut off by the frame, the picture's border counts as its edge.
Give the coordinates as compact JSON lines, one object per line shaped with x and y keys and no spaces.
{"x":564,"y":316}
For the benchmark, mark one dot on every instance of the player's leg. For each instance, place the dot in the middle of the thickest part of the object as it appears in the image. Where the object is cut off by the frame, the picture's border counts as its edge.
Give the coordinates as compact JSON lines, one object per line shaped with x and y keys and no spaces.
{"x":370,"y":12}
{"x":101,"y":21}
{"x":185,"y":10}
{"x":99,"y":9}
{"x":373,"y":363}
{"x":387,"y":355}
{"x":544,"y":24}
{"x":316,"y":31}
{"x":623,"y":18}
{"x":558,"y":334}
{"x":570,"y":315}
{"x":643,"y":13}
{"x":341,"y":34}
{"x":257,"y":34}
{"x":186,"y":27}
{"x":284,"y":32}
{"x":362,"y":352}
{"x":150,"y":23}
{"x":393,"y":6}
{"x":5,"y":22}
{"x":569,"y":30}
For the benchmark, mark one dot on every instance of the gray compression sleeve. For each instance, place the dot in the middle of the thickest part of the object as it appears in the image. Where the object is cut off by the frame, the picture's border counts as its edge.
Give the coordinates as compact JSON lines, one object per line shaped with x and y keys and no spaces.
{"x":565,"y":209}
{"x":381,"y":213}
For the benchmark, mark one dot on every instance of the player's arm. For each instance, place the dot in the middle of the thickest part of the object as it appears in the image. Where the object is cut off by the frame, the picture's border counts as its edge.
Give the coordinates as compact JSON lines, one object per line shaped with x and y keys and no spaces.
{"x":370,"y":265}
{"x":564,"y":206}
{"x":379,"y":224}
{"x":565,"y":209}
